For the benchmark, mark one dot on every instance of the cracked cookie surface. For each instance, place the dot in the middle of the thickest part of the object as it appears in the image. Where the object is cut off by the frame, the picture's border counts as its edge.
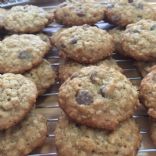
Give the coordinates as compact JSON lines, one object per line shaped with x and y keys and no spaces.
{"x":18,"y":95}
{"x":99,"y":97}
{"x":26,"y":19}
{"x":84,"y":44}
{"x":138,"y":40}
{"x":73,"y":139}
{"x":19,"y":53}
{"x":25,"y":137}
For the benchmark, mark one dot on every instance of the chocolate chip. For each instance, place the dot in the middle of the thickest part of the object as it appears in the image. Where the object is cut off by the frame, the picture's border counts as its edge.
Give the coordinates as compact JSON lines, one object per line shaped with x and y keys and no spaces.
{"x":136,"y":31}
{"x":25,"y":55}
{"x":139,"y":16}
{"x":141,"y":6}
{"x":153,"y":27}
{"x":63,"y":46}
{"x":103,"y":91}
{"x":73,"y":40}
{"x":80,"y":13}
{"x":93,"y":77}
{"x":130,"y":1}
{"x":84,"y":97}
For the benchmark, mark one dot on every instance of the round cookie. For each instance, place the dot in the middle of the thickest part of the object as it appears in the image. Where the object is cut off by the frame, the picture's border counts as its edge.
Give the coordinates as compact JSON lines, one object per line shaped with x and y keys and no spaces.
{"x":2,"y":15}
{"x":18,"y":95}
{"x":78,"y":13}
{"x":25,"y":137}
{"x":43,"y":76}
{"x":26,"y":19}
{"x":148,"y":92}
{"x":116,"y":34}
{"x":19,"y":53}
{"x":139,"y":39}
{"x":75,"y":140}
{"x":69,"y":67}
{"x":123,"y":14}
{"x":99,"y":97}
{"x":84,"y":44}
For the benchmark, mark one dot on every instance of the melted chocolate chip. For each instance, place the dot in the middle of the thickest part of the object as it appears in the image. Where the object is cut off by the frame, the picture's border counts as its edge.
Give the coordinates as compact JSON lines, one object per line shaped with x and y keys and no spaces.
{"x":73,"y":40}
{"x":24,"y":55}
{"x":84,"y":97}
{"x":153,"y":27}
{"x":80,"y":13}
{"x":136,"y":31}
{"x":103,"y":91}
{"x":93,"y":77}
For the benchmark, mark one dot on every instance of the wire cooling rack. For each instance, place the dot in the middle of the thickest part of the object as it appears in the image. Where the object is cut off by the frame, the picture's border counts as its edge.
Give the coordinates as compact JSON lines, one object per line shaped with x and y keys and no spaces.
{"x":47,"y":104}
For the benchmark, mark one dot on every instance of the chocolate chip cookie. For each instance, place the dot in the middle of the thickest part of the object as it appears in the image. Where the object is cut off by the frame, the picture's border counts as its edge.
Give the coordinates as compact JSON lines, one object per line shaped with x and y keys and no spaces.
{"x":69,"y":67}
{"x":148,"y":92}
{"x":75,"y":140}
{"x":25,"y":137}
{"x":99,"y":97}
{"x":139,"y":40}
{"x":145,"y":67}
{"x":43,"y":76}
{"x":123,"y":14}
{"x":18,"y":95}
{"x":19,"y":53}
{"x":78,"y":13}
{"x":26,"y":19}
{"x":84,"y":44}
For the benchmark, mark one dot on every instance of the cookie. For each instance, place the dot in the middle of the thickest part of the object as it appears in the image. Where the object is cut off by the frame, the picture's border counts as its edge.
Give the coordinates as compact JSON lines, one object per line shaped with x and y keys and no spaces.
{"x":75,"y":140}
{"x":145,"y":67}
{"x":116,"y":34}
{"x":84,"y":44}
{"x":138,"y":41}
{"x":99,"y":97}
{"x":153,"y":131}
{"x":18,"y":96}
{"x":19,"y":53}
{"x":78,"y":13}
{"x":148,"y":92}
{"x":122,"y":14}
{"x":26,"y":19}
{"x":25,"y":137}
{"x":43,"y":76}
{"x":2,"y":15}
{"x":67,"y":68}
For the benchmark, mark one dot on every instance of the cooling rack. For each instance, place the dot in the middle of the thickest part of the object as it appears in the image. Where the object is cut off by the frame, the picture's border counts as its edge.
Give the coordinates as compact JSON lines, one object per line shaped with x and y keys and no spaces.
{"x":48,"y":105}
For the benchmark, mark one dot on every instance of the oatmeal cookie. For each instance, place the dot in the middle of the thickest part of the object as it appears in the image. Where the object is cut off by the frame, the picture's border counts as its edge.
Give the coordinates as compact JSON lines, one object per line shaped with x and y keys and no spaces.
{"x":123,"y":14}
{"x":67,"y":68}
{"x":84,"y":44}
{"x":18,"y":95}
{"x":26,"y":19}
{"x":75,"y":140}
{"x":19,"y":53}
{"x":99,"y":97}
{"x":79,"y":13}
{"x":139,"y":40}
{"x":25,"y":137}
{"x":43,"y":76}
{"x":148,"y":92}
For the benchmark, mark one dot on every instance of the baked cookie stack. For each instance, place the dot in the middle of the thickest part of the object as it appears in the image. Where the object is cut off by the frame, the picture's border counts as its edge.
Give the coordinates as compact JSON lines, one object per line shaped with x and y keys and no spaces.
{"x":25,"y":75}
{"x":97,"y":99}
